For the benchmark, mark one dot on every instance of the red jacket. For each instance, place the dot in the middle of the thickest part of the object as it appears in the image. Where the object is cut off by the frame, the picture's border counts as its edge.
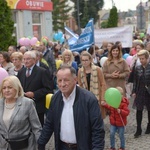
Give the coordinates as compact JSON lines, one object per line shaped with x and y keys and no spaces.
{"x":119,"y":119}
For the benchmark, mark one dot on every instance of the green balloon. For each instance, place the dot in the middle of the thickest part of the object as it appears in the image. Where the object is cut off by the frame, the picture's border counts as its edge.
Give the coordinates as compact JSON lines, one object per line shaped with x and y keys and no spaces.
{"x":113,"y":97}
{"x":142,"y":35}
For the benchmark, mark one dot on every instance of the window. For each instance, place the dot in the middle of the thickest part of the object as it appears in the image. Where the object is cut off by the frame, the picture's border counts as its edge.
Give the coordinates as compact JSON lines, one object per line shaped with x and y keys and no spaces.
{"x":36,"y":24}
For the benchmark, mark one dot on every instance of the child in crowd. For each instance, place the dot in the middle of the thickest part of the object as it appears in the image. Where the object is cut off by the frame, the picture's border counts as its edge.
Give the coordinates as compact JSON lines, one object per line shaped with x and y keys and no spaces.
{"x":118,"y":120}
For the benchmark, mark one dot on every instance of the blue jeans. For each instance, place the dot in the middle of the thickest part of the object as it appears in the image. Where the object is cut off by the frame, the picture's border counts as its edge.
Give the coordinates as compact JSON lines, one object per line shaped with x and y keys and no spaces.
{"x":113,"y":130}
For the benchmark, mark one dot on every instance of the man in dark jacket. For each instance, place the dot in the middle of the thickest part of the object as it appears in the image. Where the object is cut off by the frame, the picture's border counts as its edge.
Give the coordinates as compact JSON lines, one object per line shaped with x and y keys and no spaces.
{"x":36,"y":83}
{"x":74,"y":116}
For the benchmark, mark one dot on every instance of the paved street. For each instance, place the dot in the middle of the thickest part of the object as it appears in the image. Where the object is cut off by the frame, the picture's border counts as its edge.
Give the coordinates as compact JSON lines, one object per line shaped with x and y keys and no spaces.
{"x":141,"y":143}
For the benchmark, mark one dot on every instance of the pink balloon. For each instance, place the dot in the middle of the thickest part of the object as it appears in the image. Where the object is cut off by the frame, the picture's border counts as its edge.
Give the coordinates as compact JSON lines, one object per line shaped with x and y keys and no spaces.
{"x":3,"y":74}
{"x":21,"y":41}
{"x":129,"y":60}
{"x":33,"y":41}
{"x":26,"y":42}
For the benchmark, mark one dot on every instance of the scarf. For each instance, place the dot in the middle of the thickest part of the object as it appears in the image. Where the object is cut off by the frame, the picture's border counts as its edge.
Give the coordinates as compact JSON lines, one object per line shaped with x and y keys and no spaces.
{"x":94,"y":82}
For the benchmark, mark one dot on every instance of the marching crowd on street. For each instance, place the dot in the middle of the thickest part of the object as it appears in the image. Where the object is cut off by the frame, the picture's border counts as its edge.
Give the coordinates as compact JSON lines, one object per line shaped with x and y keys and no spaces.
{"x":81,"y":116}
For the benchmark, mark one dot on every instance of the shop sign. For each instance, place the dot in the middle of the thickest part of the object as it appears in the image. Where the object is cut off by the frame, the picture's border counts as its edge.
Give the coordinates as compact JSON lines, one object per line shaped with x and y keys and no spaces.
{"x":43,"y":5}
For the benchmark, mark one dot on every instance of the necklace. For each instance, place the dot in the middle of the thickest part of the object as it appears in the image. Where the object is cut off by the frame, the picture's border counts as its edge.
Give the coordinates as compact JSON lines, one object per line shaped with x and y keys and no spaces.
{"x":9,"y":106}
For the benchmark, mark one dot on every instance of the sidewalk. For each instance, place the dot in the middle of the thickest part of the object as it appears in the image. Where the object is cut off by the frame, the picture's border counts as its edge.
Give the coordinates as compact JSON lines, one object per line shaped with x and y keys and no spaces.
{"x":141,"y":143}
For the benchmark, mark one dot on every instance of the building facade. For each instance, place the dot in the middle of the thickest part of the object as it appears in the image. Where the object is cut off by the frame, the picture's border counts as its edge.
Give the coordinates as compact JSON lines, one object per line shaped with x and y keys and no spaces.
{"x":32,"y":18}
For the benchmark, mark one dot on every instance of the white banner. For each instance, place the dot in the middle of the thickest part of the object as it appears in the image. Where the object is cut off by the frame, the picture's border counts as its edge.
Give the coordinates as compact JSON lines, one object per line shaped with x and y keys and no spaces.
{"x":148,"y":29}
{"x":122,"y":34}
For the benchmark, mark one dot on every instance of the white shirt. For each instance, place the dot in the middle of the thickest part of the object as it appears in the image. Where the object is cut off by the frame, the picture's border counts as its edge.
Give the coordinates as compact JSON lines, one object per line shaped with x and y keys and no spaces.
{"x":67,"y":128}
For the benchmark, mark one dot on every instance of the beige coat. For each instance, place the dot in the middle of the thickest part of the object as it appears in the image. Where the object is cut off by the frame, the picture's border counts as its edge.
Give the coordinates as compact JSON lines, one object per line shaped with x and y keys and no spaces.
{"x":102,"y":87}
{"x":109,"y":67}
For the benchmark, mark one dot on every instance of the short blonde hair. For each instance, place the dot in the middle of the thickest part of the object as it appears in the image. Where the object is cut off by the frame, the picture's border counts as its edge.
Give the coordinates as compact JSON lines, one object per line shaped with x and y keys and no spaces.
{"x":120,"y":89}
{"x":14,"y":81}
{"x":18,"y":55}
{"x":144,"y":53}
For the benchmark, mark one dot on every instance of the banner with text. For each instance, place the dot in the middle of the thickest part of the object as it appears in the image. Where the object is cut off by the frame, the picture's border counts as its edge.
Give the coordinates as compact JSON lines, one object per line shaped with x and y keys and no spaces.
{"x":122,"y":34}
{"x":86,"y":39}
{"x":43,"y":5}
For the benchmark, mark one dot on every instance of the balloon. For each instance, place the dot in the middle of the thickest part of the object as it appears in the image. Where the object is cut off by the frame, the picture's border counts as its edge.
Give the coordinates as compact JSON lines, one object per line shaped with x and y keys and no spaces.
{"x":129,"y":60}
{"x":21,"y":41}
{"x":113,"y":97}
{"x":102,"y":61}
{"x":55,"y":36}
{"x":46,"y":38}
{"x":48,"y":100}
{"x":62,"y":40}
{"x":26,"y":42}
{"x":125,"y":55}
{"x":29,"y":37}
{"x":33,"y":41}
{"x":142,"y":35}
{"x":3,"y":74}
{"x":60,"y":35}
{"x":44,"y":41}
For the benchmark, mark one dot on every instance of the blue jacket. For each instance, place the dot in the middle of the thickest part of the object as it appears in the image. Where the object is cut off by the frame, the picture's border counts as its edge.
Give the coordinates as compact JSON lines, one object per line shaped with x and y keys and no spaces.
{"x":89,"y":126}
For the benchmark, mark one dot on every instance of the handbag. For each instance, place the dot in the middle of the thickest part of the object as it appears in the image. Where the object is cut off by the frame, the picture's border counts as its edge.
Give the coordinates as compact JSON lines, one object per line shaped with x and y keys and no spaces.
{"x":131,"y":76}
{"x":18,"y":144}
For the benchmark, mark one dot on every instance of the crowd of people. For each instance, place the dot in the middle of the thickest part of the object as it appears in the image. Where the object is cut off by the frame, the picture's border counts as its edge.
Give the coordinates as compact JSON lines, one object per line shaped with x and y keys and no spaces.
{"x":78,"y":82}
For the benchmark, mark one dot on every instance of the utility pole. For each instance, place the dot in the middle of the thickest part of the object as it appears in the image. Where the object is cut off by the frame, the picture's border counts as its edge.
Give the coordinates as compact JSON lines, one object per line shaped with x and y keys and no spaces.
{"x":78,"y":16}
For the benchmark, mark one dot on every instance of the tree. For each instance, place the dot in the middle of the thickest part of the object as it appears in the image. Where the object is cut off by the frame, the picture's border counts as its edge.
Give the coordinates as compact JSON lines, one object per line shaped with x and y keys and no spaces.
{"x":60,"y":14}
{"x":85,"y":15}
{"x":90,"y":7}
{"x":104,"y":24}
{"x":113,"y":18}
{"x":6,"y":26}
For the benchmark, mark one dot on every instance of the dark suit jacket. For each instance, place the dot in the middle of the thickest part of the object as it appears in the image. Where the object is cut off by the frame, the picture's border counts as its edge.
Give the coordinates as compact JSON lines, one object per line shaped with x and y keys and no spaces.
{"x":39,"y":82}
{"x":88,"y":122}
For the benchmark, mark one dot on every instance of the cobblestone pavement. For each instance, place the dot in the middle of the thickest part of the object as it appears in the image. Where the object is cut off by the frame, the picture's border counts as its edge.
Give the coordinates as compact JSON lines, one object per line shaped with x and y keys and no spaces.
{"x":141,"y":143}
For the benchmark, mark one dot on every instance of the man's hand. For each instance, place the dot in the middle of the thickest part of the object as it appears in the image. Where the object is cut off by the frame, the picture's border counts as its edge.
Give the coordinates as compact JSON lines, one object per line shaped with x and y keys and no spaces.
{"x":29,"y":94}
{"x":103,"y":103}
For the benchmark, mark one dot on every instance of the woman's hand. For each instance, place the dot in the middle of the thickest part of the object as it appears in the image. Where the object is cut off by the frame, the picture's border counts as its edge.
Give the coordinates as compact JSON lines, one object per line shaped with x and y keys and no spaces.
{"x":133,"y":95}
{"x":115,"y":74}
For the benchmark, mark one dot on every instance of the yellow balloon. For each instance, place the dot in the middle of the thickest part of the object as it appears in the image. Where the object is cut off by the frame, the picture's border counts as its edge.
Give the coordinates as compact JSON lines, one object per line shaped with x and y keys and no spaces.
{"x":48,"y":100}
{"x":58,"y":63}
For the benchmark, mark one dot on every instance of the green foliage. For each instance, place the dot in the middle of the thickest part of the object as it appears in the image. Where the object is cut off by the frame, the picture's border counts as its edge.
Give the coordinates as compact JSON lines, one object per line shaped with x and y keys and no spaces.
{"x":87,"y":9}
{"x":60,"y":14}
{"x":6,"y":26}
{"x":113,"y":18}
{"x":85,"y":18}
{"x":104,"y":24}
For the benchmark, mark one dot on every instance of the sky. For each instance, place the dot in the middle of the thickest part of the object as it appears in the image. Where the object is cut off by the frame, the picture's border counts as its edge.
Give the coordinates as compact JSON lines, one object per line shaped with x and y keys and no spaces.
{"x":122,"y":5}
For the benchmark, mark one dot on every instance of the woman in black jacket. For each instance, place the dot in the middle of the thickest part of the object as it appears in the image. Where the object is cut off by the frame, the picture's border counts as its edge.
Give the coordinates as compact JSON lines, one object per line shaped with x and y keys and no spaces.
{"x":140,"y":90}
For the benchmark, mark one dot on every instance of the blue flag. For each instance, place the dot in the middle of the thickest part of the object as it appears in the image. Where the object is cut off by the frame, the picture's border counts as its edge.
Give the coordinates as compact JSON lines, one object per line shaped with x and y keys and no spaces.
{"x":86,"y":39}
{"x":71,"y":36}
